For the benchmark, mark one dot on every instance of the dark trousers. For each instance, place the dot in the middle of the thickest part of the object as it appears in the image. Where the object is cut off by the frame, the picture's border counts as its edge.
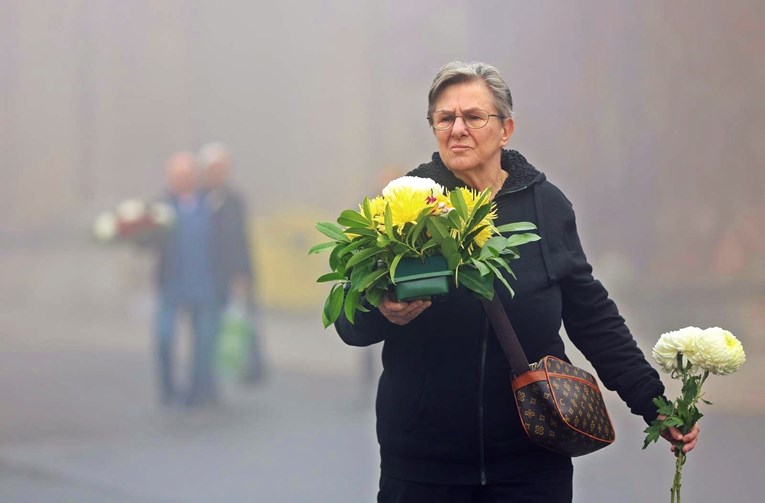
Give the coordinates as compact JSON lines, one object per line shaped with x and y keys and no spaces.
{"x":553,"y":486}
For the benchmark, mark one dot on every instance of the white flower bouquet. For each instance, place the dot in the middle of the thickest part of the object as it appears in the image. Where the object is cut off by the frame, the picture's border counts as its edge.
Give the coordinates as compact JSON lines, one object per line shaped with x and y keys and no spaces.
{"x":133,"y":221}
{"x":690,"y":355}
{"x":418,"y":227}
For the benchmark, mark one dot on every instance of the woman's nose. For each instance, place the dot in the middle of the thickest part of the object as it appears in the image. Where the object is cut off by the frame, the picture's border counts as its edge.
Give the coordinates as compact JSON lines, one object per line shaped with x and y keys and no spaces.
{"x":459,"y":128}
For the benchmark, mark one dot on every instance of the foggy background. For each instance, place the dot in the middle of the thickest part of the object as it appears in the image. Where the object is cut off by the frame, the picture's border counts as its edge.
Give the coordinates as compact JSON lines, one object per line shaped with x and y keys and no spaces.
{"x":648,"y":115}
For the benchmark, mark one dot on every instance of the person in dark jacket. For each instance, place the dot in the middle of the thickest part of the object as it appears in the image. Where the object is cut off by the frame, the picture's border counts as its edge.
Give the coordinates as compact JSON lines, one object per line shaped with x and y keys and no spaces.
{"x":447,"y":424}
{"x":231,"y":247}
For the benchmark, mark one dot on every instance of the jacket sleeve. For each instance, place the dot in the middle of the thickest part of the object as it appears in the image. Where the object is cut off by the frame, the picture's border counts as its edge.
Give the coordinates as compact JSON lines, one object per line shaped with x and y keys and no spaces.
{"x":594,"y":325}
{"x":366,"y":330}
{"x":370,"y":327}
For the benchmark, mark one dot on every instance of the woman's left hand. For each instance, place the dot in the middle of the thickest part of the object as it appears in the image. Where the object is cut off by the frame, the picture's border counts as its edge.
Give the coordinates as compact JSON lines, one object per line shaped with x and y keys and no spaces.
{"x":673,"y":435}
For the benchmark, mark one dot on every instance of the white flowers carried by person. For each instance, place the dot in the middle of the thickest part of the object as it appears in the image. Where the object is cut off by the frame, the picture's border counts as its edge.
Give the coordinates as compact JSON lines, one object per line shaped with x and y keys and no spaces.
{"x":712,"y":350}
{"x":134,"y":221}
{"x":690,"y":355}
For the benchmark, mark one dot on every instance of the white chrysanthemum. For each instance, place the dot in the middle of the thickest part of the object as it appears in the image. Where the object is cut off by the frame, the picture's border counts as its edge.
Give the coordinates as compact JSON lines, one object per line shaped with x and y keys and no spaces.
{"x":719,"y":352}
{"x":131,"y":210}
{"x":162,"y":214}
{"x":413,"y":183}
{"x":105,"y":227}
{"x":671,"y":343}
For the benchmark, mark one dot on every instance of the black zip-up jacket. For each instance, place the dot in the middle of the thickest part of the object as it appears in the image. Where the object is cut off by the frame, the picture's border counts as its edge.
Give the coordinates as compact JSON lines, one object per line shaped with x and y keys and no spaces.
{"x":445,"y":410}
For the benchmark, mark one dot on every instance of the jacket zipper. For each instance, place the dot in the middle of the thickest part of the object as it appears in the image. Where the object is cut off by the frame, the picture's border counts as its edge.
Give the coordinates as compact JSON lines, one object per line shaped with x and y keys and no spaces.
{"x":480,"y":402}
{"x":510,"y":191}
{"x":484,"y":344}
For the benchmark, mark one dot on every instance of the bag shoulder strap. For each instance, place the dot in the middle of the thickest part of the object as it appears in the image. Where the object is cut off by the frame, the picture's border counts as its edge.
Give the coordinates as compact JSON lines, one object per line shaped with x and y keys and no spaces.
{"x":506,"y":335}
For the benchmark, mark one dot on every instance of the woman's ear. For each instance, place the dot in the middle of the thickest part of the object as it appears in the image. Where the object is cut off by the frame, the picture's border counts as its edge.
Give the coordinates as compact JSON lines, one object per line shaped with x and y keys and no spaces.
{"x":508,"y":128}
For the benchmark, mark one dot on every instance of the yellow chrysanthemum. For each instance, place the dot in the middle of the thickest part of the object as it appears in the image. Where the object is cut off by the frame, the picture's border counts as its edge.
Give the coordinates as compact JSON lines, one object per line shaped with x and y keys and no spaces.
{"x":377,"y":207}
{"x":406,"y":205}
{"x":407,"y":197}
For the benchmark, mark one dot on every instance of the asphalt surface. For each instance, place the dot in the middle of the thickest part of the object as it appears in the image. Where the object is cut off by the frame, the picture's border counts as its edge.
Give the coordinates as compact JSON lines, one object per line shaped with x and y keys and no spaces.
{"x":79,"y":423}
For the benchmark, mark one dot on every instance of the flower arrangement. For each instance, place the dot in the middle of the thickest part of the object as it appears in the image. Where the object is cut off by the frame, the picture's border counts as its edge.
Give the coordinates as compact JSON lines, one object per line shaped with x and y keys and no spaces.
{"x":415,"y":220}
{"x":690,"y":355}
{"x":133,"y":221}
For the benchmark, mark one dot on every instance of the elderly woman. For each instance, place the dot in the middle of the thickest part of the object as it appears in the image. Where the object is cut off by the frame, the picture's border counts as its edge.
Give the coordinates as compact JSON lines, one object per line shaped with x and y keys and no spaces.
{"x":447,"y":423}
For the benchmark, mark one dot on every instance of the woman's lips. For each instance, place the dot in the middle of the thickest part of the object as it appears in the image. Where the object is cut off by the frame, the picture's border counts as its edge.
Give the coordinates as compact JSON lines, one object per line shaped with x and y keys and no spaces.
{"x":459,"y":148}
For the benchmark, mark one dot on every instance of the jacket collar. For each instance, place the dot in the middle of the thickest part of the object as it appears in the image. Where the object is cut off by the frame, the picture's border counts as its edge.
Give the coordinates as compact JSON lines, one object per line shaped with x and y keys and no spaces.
{"x":520,"y":173}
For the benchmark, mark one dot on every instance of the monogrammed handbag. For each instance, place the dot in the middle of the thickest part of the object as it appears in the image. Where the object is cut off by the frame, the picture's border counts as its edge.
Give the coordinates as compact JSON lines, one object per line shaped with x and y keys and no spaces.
{"x":560,"y":405}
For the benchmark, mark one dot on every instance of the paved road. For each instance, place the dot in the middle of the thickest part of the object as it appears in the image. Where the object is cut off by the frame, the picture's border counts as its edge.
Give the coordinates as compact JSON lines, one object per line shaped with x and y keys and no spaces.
{"x":79,"y":424}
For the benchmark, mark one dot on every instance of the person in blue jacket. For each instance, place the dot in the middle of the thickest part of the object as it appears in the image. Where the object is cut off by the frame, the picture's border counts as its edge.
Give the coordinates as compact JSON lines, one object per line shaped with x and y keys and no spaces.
{"x":187,"y":284}
{"x":447,"y":424}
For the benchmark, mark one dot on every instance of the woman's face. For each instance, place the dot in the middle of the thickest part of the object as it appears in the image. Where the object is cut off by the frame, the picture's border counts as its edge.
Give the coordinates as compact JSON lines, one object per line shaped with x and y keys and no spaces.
{"x":463,"y":149}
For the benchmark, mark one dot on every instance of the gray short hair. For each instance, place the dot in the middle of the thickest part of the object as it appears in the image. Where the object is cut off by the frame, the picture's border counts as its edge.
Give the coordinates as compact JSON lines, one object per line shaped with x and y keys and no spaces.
{"x":212,"y":152}
{"x":455,"y":72}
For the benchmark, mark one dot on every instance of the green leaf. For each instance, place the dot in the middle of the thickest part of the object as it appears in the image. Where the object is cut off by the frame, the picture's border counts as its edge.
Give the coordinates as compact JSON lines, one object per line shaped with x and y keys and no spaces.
{"x":375,"y":295}
{"x":382,"y":241}
{"x":517,"y":227}
{"x":499,"y":276}
{"x":477,"y":217}
{"x":454,"y":219}
{"x":352,"y":246}
{"x":370,"y":278}
{"x":416,"y":230}
{"x":334,"y":260}
{"x":351,"y":303}
{"x":358,"y":272}
{"x":438,"y":230}
{"x":483,"y":269}
{"x":664,"y":407}
{"x":363,"y":255}
{"x":455,"y":196}
{"x":521,"y":239}
{"x":332,"y":276}
{"x":653,"y":434}
{"x":393,"y":266}
{"x":321,"y":247}
{"x":501,"y":262}
{"x":471,"y":235}
{"x":333,"y":305}
{"x":450,"y":251}
{"x":389,"y":222}
{"x":481,"y":202}
{"x":350,"y":218}
{"x":332,"y":231}
{"x":428,"y":245}
{"x":362,"y":231}
{"x":366,"y":208}
{"x":493,"y":247}
{"x":481,"y":285}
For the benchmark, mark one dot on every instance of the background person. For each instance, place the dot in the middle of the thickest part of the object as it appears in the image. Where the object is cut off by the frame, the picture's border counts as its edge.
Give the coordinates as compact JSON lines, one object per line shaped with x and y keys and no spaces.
{"x":231,"y":251}
{"x":447,"y":423}
{"x":186,"y":283}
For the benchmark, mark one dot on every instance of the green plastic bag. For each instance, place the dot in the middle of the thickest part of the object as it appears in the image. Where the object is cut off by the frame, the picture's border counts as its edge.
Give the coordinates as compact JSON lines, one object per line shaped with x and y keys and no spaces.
{"x":234,"y":340}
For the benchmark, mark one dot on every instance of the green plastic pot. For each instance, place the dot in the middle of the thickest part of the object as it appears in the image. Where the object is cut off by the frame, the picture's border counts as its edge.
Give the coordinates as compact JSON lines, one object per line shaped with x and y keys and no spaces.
{"x":418,"y":279}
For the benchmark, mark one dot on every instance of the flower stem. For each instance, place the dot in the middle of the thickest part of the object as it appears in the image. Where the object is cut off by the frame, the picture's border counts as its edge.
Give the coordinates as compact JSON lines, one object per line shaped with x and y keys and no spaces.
{"x":679,"y":462}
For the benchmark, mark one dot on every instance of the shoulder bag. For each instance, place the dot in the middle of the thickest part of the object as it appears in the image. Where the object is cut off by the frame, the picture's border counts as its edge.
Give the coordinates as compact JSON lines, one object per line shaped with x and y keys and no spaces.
{"x":560,"y":405}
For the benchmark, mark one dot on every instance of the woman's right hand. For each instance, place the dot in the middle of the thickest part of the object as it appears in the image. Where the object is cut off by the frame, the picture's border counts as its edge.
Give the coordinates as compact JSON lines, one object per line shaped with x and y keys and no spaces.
{"x":401,"y":313}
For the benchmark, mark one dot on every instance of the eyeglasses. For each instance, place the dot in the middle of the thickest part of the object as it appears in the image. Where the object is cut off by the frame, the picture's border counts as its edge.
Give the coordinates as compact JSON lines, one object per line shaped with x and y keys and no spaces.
{"x":473,"y":119}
